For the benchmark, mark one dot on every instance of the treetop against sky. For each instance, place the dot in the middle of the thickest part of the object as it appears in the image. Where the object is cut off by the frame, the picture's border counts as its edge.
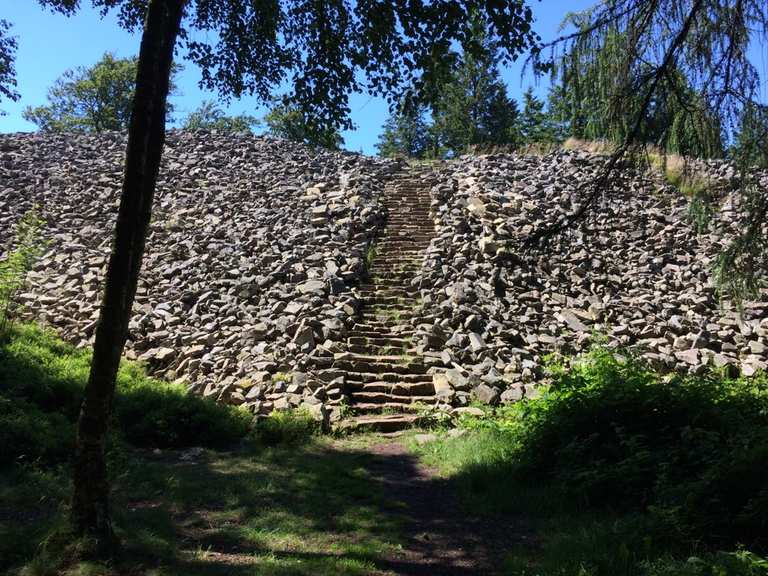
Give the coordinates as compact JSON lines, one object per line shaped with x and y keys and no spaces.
{"x":50,"y":44}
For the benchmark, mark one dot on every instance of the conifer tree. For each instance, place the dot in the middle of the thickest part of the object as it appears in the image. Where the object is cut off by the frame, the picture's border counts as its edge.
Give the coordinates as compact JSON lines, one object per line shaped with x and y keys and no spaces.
{"x":472,"y":108}
{"x":535,"y":126}
{"x":691,"y":57}
{"x":405,"y":133}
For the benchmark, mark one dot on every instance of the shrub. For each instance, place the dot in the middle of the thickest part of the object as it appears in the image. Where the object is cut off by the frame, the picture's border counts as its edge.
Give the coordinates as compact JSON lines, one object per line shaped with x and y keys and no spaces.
{"x":287,"y":427}
{"x":609,"y":432}
{"x":27,"y":247}
{"x":741,"y":563}
{"x":41,"y":385}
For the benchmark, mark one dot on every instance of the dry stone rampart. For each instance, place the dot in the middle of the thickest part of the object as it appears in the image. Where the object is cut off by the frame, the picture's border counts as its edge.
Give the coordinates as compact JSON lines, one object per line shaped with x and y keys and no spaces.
{"x":255,"y":290}
{"x":636,"y":274}
{"x":254,"y":243}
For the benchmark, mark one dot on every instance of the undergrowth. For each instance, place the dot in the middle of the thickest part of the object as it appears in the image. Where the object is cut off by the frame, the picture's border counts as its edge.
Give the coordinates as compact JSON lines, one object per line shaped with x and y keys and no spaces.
{"x":41,"y":385}
{"x":278,"y":501}
{"x":627,"y":471}
{"x":287,"y":427}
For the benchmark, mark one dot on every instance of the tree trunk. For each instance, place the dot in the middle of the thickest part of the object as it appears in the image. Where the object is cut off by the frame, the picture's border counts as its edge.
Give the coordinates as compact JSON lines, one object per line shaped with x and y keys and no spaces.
{"x":146,"y":136}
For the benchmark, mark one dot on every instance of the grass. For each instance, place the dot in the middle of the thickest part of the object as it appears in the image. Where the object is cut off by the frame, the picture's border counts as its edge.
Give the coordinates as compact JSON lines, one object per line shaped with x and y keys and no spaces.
{"x":193,"y":491}
{"x":370,"y":256}
{"x":41,"y":385}
{"x":614,"y":470}
{"x":601,"y":147}
{"x":288,"y":509}
{"x":623,"y":472}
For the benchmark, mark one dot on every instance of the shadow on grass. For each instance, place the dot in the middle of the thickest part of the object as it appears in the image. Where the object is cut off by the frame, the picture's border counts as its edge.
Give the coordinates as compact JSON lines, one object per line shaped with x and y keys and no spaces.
{"x":314,"y":507}
{"x":321,"y":508}
{"x":308,"y":509}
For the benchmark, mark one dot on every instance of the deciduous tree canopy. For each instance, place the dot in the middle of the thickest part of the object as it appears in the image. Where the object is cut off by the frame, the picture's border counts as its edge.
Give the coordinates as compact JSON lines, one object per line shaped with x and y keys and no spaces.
{"x":208,"y":116}
{"x":323,"y":51}
{"x":8,"y":48}
{"x":291,"y":123}
{"x":91,"y":99}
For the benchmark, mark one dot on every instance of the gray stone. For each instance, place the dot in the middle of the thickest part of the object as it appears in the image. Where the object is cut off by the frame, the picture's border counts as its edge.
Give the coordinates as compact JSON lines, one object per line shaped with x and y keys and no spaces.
{"x":486,"y":394}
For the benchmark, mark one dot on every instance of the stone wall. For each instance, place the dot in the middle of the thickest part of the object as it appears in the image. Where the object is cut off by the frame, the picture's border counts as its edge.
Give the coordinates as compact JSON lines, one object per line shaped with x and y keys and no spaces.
{"x":637,"y":274}
{"x":256,"y":244}
{"x":253,"y":244}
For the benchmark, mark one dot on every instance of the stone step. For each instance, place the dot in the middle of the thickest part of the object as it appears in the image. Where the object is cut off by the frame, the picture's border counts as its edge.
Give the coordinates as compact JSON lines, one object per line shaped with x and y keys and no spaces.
{"x":373,"y":327}
{"x":364,"y":377}
{"x":391,"y":292}
{"x":385,"y":319}
{"x":396,"y":249}
{"x":389,"y":307}
{"x":399,"y":259}
{"x":395,"y":388}
{"x":373,"y":349}
{"x":379,"y":341}
{"x":397,"y":263}
{"x":379,"y":398}
{"x":369,"y":367}
{"x":414,"y":222}
{"x":383,"y":407}
{"x":377,"y":423}
{"x":373,"y":333}
{"x":380,"y":372}
{"x":377,"y":359}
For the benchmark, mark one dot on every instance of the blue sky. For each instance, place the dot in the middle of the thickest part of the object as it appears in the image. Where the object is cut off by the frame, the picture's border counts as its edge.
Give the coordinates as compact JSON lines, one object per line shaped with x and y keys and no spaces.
{"x":50,"y":43}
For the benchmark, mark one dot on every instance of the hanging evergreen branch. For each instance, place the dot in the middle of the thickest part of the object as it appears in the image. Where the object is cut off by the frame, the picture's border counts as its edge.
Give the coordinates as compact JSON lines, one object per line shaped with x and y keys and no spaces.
{"x":670,"y":73}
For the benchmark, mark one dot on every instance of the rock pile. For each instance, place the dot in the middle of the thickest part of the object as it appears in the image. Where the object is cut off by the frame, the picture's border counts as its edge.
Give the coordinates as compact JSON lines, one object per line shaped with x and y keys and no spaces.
{"x":253,"y":245}
{"x":637,"y":274}
{"x":251,"y":284}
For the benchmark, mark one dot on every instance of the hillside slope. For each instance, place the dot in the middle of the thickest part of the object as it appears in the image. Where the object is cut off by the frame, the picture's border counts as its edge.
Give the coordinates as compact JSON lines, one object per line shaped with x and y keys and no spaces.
{"x":256,"y":269}
{"x":253,"y":241}
{"x":636,"y":274}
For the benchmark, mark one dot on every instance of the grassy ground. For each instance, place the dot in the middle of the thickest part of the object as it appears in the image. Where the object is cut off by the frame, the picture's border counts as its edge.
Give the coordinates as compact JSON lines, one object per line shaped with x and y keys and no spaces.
{"x":277,"y":500}
{"x":615,"y":471}
{"x":621,"y":472}
{"x":307,"y":509}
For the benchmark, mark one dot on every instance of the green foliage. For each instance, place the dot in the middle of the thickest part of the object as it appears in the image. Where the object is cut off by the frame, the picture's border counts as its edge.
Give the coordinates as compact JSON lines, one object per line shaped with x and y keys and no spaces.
{"x":308,"y":509}
{"x":740,"y":563}
{"x":8,"y":47}
{"x":321,"y":53}
{"x":595,"y":97}
{"x":610,"y":431}
{"x":209,"y":116}
{"x":676,"y":75}
{"x":750,"y":148}
{"x":94,"y":99}
{"x":472,"y":107}
{"x":405,"y":133}
{"x":25,"y":249}
{"x":370,"y":256}
{"x":287,"y":427}
{"x":535,"y":123}
{"x":615,"y":457}
{"x":290,"y":123}
{"x":41,"y":385}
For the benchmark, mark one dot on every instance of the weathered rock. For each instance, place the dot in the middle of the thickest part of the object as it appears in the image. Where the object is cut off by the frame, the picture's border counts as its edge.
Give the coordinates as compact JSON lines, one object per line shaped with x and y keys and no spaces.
{"x":486,"y":394}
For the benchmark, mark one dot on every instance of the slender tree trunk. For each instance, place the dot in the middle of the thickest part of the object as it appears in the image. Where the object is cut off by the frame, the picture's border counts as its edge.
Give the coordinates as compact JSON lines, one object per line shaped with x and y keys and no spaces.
{"x":146,"y":136}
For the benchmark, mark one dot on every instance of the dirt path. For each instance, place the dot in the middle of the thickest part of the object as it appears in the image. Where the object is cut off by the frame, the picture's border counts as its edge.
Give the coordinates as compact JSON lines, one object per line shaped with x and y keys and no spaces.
{"x":440,"y":537}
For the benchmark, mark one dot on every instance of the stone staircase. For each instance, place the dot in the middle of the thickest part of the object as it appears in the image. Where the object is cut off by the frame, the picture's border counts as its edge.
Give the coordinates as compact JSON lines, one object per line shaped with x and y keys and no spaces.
{"x":385,"y":379}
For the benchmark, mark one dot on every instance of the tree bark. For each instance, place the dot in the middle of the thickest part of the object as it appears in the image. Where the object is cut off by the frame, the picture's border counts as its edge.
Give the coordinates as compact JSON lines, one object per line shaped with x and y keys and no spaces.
{"x":146,"y":135}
